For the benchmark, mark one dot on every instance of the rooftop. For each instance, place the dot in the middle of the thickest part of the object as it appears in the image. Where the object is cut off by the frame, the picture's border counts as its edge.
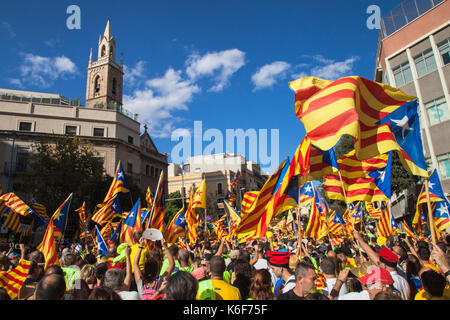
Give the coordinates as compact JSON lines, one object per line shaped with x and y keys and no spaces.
{"x":405,"y":13}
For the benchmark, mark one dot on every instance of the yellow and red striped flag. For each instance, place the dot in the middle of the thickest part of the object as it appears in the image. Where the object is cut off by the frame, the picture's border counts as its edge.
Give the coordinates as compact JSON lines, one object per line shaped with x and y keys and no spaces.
{"x":41,"y":210}
{"x":408,"y":231}
{"x":248,"y":200}
{"x":191,"y":221}
{"x":350,"y":105}
{"x":149,"y":197}
{"x":374,"y":213}
{"x":358,"y":185}
{"x":118,"y":184}
{"x":177,"y":226}
{"x":107,"y":213}
{"x":13,"y":280}
{"x":251,"y":216}
{"x":107,"y":231}
{"x":157,"y":218}
{"x":11,"y":220}
{"x":16,"y":204}
{"x":130,"y":224}
{"x":314,"y":227}
{"x":82,"y":213}
{"x":48,"y":246}
{"x":302,"y":158}
{"x":384,"y":225}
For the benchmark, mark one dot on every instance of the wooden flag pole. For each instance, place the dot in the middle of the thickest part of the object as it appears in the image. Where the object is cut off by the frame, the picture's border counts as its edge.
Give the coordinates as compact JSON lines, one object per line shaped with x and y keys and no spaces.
{"x":430,"y":214}
{"x":301,"y":182}
{"x":154,"y":200}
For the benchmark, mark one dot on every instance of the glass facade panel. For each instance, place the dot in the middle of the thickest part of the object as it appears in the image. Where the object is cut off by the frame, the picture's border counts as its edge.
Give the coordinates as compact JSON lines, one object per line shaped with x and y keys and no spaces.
{"x":410,"y":10}
{"x":424,"y":5}
{"x":444,"y":165}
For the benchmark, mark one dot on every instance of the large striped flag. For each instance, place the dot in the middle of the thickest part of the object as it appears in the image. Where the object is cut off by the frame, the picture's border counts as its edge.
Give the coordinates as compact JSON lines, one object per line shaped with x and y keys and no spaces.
{"x":11,"y":220}
{"x":250,"y":218}
{"x":374,"y":213}
{"x":107,"y":231}
{"x":248,"y":200}
{"x":48,"y":246}
{"x":12,"y":201}
{"x":382,"y":177}
{"x":159,"y":206}
{"x":384,"y":225}
{"x":108,"y":212}
{"x":13,"y":280}
{"x":199,"y":200}
{"x":435,"y":189}
{"x":357,"y":183}
{"x":234,"y":218}
{"x":354,"y":106}
{"x":221,"y":227}
{"x":301,"y":161}
{"x":128,"y":226}
{"x":191,"y":221}
{"x":60,"y":216}
{"x":119,"y":184}
{"x":177,"y":226}
{"x":441,"y":217}
{"x":409,"y":232}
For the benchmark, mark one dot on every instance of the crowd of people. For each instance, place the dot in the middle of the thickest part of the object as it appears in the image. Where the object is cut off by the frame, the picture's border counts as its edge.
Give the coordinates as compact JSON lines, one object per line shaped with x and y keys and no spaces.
{"x":262,"y":269}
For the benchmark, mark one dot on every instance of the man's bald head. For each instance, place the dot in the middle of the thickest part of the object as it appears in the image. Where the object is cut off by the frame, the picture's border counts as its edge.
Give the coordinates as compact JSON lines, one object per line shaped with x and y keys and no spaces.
{"x":51,"y":287}
{"x":183,"y":255}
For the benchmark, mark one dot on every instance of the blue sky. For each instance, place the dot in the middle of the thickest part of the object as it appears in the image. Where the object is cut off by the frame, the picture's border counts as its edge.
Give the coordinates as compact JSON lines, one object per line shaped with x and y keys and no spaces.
{"x":225,"y":63}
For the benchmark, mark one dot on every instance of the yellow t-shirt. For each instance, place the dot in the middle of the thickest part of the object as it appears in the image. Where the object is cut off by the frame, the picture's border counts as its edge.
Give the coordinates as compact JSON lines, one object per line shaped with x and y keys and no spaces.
{"x":133,"y":253}
{"x":224,"y":291}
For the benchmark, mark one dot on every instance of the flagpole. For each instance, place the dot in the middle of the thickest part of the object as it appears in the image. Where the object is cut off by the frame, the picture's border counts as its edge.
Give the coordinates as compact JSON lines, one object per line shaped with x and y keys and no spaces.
{"x":154,"y":201}
{"x":301,"y":182}
{"x":430,"y":214}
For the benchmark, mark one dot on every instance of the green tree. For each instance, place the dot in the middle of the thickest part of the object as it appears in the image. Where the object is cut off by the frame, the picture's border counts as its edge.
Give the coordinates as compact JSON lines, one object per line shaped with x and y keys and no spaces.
{"x":173,"y":205}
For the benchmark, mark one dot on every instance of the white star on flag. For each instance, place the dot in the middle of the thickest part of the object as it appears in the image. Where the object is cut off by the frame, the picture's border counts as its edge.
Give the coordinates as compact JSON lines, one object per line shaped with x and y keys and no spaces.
{"x":120,"y":175}
{"x":308,"y":188}
{"x":430,"y":184}
{"x":403,"y":123}
{"x":443,"y":209}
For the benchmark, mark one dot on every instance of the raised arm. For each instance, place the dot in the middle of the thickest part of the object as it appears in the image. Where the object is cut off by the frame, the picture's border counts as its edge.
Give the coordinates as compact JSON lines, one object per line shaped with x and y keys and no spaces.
{"x":220,"y":249}
{"x":171,"y":266}
{"x":367,"y":249}
{"x":127,"y":281}
{"x":137,"y":270}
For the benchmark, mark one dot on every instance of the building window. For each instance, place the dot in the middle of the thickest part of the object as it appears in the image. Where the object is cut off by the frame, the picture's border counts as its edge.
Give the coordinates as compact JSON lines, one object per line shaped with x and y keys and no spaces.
{"x":444,"y":165}
{"x":114,"y":85}
{"x":130,"y":139}
{"x":72,"y":130}
{"x":444,"y":50}
{"x":25,"y":126}
{"x":97,"y":84}
{"x":386,"y":79}
{"x":437,"y":111}
{"x":147,"y":170}
{"x":425,"y":63}
{"x":103,"y":50}
{"x":402,"y":74}
{"x":219,"y":188}
{"x":129,"y":167}
{"x":22,"y":162}
{"x":99,"y":132}
{"x":152,"y":172}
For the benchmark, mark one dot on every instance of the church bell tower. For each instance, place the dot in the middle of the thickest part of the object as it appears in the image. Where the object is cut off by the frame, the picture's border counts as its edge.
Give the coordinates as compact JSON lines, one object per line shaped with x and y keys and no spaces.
{"x":104,"y":88}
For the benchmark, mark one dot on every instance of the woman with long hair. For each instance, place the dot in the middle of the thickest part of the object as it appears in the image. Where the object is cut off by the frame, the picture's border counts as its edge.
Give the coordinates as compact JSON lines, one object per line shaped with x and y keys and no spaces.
{"x":261,"y":286}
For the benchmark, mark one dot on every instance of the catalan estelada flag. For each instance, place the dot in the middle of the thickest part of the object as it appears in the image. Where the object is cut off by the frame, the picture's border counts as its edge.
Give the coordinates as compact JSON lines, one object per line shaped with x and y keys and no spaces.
{"x":11,"y":220}
{"x":119,"y":184}
{"x":250,"y":218}
{"x":221,"y":227}
{"x":107,"y":231}
{"x":336,"y":224}
{"x":13,"y":280}
{"x":358,"y":185}
{"x":107,"y":212}
{"x":248,"y":200}
{"x":435,"y":189}
{"x":374,"y":213}
{"x":409,"y":231}
{"x":48,"y":246}
{"x":157,"y":218}
{"x":12,"y":201}
{"x":60,"y":216}
{"x":82,"y":213}
{"x":40,"y":209}
{"x":177,"y":226}
{"x":315,"y":223}
{"x":441,"y":216}
{"x":306,"y":194}
{"x":149,"y":197}
{"x":350,"y":105}
{"x":301,"y":161}
{"x":101,"y":244}
{"x":322,"y":163}
{"x":128,"y":227}
{"x":230,"y":196}
{"x":200,"y":196}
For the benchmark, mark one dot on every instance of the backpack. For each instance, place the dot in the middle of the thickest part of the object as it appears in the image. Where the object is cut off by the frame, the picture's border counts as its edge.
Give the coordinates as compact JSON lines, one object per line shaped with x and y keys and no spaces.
{"x":149,"y":291}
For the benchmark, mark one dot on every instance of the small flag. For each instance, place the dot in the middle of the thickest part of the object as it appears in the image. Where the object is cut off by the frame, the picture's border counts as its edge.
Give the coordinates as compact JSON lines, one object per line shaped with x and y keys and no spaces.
{"x":101,"y":244}
{"x":48,"y":246}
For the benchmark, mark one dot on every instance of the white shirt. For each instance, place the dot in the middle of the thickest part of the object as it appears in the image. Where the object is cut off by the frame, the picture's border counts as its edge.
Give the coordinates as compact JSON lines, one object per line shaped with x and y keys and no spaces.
{"x":363,"y":295}
{"x":129,"y":295}
{"x":401,"y":284}
{"x":330,"y":285}
{"x":289,"y":284}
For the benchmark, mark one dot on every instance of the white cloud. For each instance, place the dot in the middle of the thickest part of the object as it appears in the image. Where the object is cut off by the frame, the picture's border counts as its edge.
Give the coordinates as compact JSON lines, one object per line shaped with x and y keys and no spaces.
{"x":132,"y":75}
{"x":8,"y":29}
{"x":268,"y":74}
{"x":220,"y":65}
{"x":16,"y":82}
{"x":325,"y":68}
{"x":43,"y":71}
{"x":159,"y":99}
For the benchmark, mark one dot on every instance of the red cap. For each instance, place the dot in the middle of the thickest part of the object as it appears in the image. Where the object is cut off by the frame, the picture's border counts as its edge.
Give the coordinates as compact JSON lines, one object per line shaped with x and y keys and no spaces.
{"x":388,"y":257}
{"x":278,"y":258}
{"x":377,"y":275}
